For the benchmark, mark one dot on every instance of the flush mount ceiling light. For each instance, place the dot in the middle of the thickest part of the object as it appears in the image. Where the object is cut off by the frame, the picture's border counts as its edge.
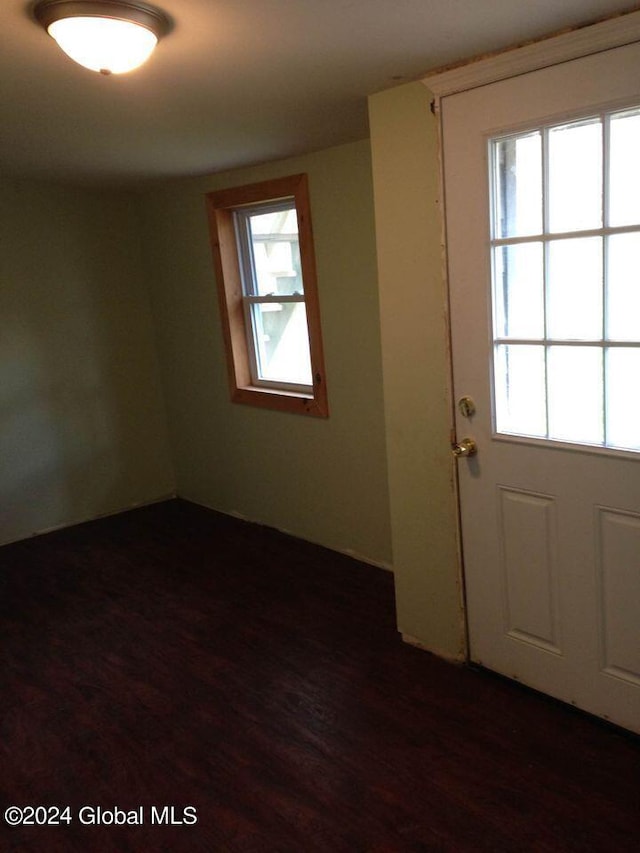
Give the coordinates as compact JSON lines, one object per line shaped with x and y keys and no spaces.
{"x":109,"y":36}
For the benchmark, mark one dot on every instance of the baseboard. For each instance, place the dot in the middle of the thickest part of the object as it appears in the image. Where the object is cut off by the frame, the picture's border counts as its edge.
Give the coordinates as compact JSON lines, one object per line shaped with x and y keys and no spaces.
{"x":354,"y":555}
{"x":65,"y":525}
{"x":347,"y":552}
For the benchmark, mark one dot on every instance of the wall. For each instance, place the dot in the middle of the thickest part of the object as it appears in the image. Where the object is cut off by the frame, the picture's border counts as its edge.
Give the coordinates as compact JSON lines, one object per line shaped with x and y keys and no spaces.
{"x":322,"y":480}
{"x":416,"y":368}
{"x":83,"y":423}
{"x":83,"y":417}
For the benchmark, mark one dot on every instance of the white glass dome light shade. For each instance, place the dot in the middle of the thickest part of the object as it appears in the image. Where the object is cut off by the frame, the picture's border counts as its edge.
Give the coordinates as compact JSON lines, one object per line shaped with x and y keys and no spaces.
{"x":107,"y":45}
{"x":109,"y":36}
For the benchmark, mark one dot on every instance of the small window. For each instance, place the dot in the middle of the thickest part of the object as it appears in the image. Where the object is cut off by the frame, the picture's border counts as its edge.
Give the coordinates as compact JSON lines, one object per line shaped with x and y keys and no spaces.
{"x":265,"y":266}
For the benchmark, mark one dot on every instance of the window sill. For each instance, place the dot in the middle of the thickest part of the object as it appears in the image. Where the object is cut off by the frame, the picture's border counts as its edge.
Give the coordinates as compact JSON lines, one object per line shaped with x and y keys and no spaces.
{"x":282,"y":401}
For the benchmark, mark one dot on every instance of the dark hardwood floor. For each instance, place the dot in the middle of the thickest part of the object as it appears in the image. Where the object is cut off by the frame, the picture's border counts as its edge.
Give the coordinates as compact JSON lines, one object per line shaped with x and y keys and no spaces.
{"x":172,"y":656}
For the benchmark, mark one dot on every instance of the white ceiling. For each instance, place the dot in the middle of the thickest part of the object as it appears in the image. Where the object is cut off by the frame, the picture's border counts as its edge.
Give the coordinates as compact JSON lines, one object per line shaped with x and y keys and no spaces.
{"x":241,"y":81}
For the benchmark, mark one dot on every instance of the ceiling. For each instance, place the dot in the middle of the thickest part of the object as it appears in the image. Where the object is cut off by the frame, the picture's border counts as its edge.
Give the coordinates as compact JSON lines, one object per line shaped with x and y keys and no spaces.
{"x":241,"y":81}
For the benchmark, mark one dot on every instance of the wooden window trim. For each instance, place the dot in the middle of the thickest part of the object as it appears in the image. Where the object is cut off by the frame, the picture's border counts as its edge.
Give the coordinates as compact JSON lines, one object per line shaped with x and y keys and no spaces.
{"x":220,"y":207}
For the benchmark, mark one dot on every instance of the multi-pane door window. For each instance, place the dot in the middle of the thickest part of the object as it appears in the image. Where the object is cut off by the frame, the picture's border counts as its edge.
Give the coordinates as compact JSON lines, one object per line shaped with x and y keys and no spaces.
{"x":565,"y":247}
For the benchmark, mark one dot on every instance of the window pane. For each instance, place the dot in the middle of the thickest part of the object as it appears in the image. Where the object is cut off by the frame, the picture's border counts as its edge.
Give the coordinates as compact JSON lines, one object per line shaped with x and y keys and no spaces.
{"x":519,"y":391}
{"x":276,"y":253}
{"x":575,"y":176}
{"x":282,"y":342}
{"x":623,"y":399}
{"x":623,"y":288}
{"x":575,"y":394}
{"x":624,"y":169}
{"x":518,"y":185}
{"x":574,"y":300}
{"x":519,"y":291}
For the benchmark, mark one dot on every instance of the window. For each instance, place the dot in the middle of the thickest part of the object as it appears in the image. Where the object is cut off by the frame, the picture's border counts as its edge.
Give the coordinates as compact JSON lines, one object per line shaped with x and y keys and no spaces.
{"x":566,"y":294}
{"x":265,"y":268}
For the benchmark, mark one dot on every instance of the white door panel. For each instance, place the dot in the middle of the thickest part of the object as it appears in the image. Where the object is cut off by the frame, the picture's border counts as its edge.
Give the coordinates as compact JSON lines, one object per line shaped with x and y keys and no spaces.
{"x":551,"y":532}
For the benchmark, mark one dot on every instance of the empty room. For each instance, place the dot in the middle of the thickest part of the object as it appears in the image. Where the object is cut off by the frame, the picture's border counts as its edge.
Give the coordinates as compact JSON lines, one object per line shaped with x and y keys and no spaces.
{"x":320,"y":445}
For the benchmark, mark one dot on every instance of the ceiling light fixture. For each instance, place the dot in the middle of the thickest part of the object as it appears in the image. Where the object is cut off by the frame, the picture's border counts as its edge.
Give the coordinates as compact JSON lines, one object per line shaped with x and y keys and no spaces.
{"x":109,"y":36}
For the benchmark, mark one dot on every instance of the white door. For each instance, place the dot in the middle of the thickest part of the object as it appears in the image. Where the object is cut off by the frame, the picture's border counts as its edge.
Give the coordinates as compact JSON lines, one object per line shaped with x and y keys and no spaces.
{"x":542,"y":190}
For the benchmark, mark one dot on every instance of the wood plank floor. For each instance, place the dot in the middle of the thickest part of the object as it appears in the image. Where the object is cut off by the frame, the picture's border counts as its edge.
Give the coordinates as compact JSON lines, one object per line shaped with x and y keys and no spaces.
{"x":173,"y":656}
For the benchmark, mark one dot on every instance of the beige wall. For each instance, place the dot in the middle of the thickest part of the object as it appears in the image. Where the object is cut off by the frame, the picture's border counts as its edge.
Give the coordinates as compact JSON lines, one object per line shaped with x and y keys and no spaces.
{"x":415,"y":368}
{"x":323,"y":480}
{"x":83,"y":427}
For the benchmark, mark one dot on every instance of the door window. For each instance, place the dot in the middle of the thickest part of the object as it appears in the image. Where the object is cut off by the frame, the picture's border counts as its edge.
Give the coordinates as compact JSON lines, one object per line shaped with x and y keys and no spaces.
{"x":565,"y":256}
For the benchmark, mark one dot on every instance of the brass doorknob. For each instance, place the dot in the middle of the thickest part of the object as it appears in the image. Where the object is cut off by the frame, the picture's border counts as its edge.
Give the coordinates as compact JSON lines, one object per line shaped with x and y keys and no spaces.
{"x":467,"y":447}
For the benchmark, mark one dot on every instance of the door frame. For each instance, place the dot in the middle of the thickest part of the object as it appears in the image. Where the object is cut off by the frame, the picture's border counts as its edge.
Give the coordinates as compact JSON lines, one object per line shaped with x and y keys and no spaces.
{"x":607,"y":34}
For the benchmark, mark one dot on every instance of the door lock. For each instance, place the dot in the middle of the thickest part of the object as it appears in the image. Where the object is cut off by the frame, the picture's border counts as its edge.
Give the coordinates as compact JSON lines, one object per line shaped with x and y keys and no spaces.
{"x":466,"y":447}
{"x":467,"y":407}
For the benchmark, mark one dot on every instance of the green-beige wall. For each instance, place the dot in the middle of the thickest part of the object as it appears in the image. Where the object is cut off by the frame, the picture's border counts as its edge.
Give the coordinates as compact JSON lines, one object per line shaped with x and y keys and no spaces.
{"x":322,"y":480}
{"x":404,"y":142}
{"x":83,"y":422}
{"x":110,"y":331}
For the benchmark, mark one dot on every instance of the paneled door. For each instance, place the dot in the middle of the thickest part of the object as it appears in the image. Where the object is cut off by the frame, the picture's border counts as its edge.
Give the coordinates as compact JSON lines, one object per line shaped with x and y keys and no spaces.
{"x":542,"y":190}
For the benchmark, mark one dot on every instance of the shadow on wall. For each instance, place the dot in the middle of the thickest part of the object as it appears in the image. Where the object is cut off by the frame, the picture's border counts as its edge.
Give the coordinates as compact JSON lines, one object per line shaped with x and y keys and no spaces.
{"x":81,"y":411}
